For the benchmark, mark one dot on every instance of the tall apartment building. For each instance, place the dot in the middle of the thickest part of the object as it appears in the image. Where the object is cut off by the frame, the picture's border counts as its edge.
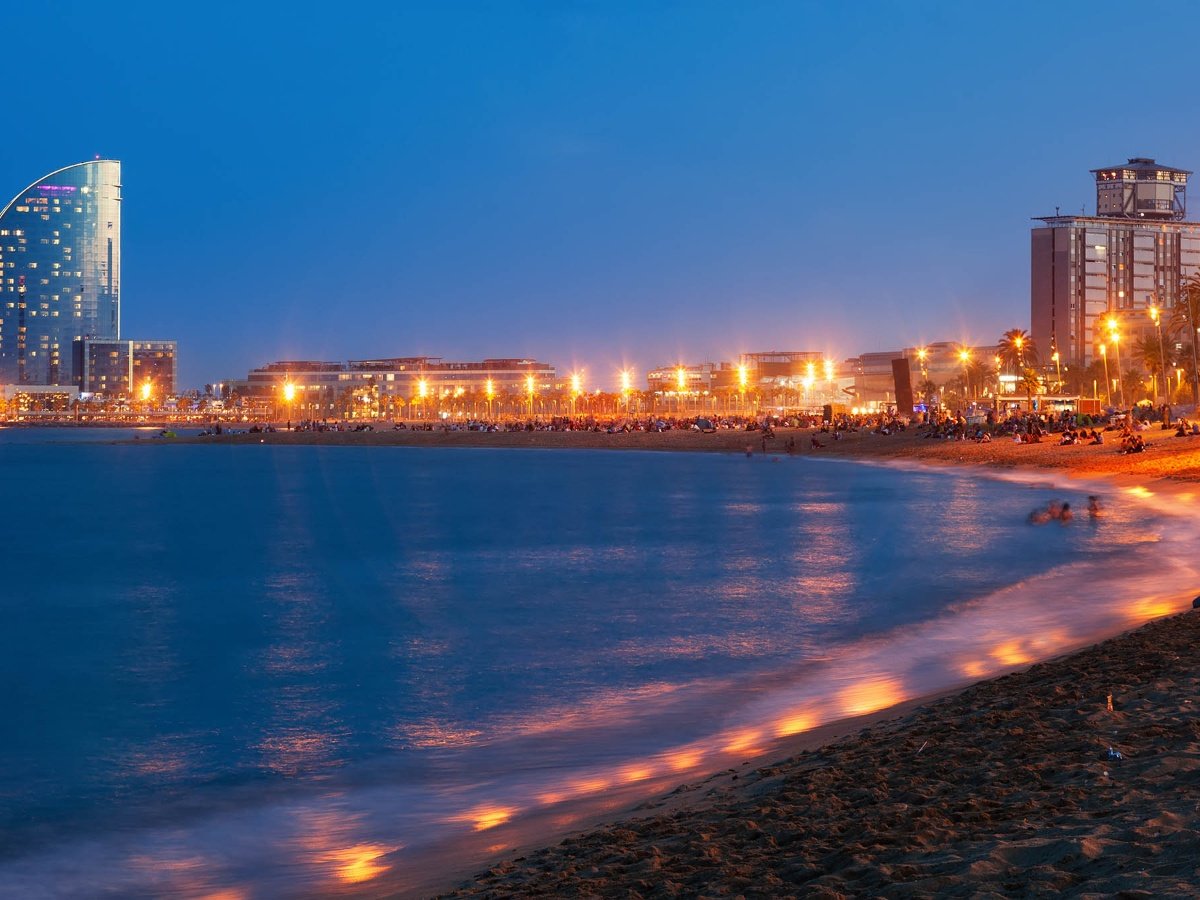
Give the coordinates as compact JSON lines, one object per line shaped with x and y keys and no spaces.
{"x":1131,"y":255}
{"x":60,"y":270}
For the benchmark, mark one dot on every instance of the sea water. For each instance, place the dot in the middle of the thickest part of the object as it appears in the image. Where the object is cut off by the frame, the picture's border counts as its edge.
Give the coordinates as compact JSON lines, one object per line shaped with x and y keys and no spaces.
{"x":284,"y":670}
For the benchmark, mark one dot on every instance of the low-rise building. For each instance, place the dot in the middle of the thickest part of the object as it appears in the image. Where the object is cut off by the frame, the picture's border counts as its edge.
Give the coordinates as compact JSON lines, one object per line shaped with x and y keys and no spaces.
{"x":122,"y":368}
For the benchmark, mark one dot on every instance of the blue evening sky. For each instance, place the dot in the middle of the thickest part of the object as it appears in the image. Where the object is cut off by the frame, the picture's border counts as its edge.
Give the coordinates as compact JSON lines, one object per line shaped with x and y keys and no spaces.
{"x":593,"y":184}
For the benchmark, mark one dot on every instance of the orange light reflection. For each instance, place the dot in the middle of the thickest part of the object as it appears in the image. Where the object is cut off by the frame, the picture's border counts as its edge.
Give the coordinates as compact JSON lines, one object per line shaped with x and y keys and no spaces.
{"x":359,"y":863}
{"x":484,"y":817}
{"x":870,"y":696}
{"x":795,"y":723}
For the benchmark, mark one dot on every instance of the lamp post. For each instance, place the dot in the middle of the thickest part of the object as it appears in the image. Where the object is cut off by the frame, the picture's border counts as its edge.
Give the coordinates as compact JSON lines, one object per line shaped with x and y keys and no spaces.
{"x":147,"y":394}
{"x":1116,"y":341}
{"x":681,"y":387}
{"x":1058,"y":371}
{"x":530,"y":386}
{"x":964,"y":357}
{"x":422,"y":393}
{"x":576,"y":386}
{"x":999,"y":384}
{"x":1156,"y":318}
{"x":743,"y":378}
{"x":289,"y":394}
{"x":1107,"y":381}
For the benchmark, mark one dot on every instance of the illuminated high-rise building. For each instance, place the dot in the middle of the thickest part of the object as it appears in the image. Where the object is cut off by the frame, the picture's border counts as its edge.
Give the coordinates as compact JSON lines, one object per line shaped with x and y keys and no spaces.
{"x":1091,"y":275}
{"x":60,"y":270}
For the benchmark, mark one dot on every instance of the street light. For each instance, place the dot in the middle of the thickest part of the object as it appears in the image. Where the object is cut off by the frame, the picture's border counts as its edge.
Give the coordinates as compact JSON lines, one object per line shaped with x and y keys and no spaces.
{"x":1107,"y":380}
{"x":1156,"y":318}
{"x":531,"y":386}
{"x":1058,"y":369}
{"x":743,"y":379}
{"x":576,"y":389}
{"x":1116,"y":341}
{"x":964,"y":357}
{"x":289,"y":394}
{"x":489,"y":390}
{"x":999,"y":384}
{"x":422,"y":392}
{"x":681,"y":384}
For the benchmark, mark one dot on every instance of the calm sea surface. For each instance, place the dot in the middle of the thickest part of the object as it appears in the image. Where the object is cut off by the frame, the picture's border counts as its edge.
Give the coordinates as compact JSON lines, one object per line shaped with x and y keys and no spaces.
{"x":274,"y":671}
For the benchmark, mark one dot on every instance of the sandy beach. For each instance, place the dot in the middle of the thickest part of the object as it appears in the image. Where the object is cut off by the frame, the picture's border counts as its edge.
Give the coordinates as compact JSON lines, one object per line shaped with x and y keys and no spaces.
{"x":1005,"y":788}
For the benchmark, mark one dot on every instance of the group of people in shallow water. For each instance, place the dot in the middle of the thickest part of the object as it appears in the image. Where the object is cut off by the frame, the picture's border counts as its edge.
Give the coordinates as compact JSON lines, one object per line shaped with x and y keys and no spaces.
{"x":1061,"y":512}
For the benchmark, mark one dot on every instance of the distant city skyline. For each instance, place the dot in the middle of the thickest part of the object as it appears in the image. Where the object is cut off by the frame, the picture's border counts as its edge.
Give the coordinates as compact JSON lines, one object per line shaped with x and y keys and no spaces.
{"x":598,"y":187}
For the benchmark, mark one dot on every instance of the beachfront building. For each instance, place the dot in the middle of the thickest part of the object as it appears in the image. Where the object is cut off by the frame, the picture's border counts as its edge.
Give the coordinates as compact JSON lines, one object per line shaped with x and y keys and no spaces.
{"x":60,"y":270}
{"x":415,"y":386}
{"x":1089,"y":271}
{"x":967,"y":371}
{"x":131,"y":369}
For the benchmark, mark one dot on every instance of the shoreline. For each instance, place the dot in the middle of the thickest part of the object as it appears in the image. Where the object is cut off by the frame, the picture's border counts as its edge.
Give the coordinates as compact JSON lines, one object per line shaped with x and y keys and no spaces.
{"x":1004,"y":785}
{"x":1167,"y":457}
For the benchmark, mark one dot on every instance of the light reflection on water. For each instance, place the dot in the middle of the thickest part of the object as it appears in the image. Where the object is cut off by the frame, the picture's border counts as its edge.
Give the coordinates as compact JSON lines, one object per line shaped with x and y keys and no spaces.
{"x":316,"y":669}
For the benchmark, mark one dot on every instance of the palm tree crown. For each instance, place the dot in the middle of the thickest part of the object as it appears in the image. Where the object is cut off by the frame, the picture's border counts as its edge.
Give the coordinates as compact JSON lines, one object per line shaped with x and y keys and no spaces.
{"x":1017,"y":349}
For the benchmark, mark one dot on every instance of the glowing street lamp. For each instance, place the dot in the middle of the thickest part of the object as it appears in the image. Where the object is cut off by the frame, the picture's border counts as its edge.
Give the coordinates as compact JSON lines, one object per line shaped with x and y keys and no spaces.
{"x":1107,"y":381}
{"x":489,"y":391}
{"x":531,"y":387}
{"x":423,"y":393}
{"x":964,"y":357}
{"x":743,"y":379}
{"x":147,"y":390}
{"x":289,"y":394}
{"x":576,"y":389}
{"x":681,"y":384}
{"x":1115,"y":335}
{"x":1058,"y":368}
{"x":1156,"y":318}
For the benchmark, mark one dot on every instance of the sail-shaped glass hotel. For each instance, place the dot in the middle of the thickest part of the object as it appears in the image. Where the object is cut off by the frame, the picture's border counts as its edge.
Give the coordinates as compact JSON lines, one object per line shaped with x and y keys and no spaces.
{"x":60,"y":270}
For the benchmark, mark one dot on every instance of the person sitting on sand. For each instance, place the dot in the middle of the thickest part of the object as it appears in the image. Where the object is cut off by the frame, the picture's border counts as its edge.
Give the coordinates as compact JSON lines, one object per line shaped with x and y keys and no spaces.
{"x":816,"y":445}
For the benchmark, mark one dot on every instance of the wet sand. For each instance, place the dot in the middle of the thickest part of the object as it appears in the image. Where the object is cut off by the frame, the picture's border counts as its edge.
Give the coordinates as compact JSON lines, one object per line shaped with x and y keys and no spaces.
{"x":1003,"y":788}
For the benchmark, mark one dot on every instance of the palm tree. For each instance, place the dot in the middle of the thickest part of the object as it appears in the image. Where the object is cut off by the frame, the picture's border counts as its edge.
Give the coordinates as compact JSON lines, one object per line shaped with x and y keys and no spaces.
{"x":927,"y":390}
{"x":1032,"y":382}
{"x":1185,"y":318}
{"x":1148,"y":352}
{"x":1016,"y":349}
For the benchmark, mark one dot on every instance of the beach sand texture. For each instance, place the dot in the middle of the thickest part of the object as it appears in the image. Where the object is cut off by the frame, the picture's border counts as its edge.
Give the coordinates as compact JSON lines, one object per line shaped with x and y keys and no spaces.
{"x":1006,"y":788}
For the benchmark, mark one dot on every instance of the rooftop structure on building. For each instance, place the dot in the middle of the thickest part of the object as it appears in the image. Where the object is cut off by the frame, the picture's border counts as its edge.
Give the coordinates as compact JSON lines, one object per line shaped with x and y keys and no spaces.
{"x":1093,"y":275}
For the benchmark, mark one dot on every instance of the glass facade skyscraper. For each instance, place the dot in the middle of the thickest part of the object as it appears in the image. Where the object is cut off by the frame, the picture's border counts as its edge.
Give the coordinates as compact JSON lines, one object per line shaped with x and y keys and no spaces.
{"x":60,"y":270}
